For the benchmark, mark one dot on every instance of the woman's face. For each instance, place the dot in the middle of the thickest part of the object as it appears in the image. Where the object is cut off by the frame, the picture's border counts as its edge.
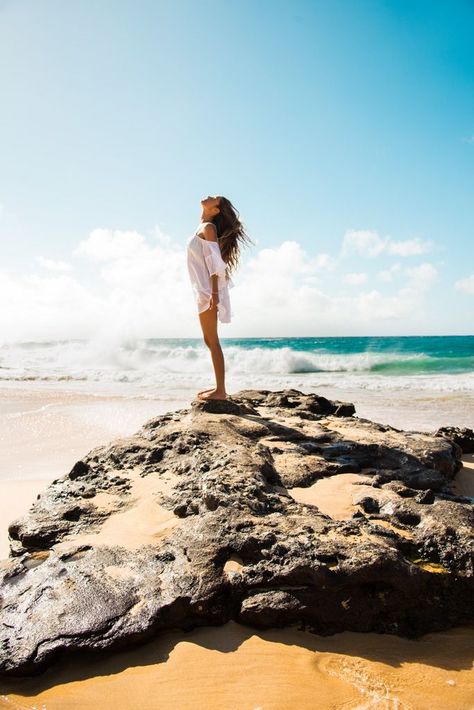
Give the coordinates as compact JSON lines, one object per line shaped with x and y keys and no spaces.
{"x":211,"y":204}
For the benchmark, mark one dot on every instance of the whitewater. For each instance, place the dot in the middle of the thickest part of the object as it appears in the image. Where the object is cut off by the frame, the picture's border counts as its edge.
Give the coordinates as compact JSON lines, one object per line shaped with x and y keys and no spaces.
{"x":431,"y":363}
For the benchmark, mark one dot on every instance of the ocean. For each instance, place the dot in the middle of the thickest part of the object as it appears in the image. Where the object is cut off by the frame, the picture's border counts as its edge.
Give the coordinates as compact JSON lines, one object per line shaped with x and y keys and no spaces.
{"x":82,"y":392}
{"x":430,"y":362}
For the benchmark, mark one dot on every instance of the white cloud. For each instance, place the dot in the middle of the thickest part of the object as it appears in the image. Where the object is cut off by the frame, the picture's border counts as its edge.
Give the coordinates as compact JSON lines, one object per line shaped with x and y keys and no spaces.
{"x":373,"y":306}
{"x":369,"y":243}
{"x":278,"y":296}
{"x":364,"y":242}
{"x":422,"y":277}
{"x":323,"y":262}
{"x":289,"y":256}
{"x":162,"y":237}
{"x":53,"y":265}
{"x":465,"y":285}
{"x":409,"y":247}
{"x":387,"y":275}
{"x":46,"y":307}
{"x":138,"y":286}
{"x":354,"y":278}
{"x":133,"y":286}
{"x":107,"y":244}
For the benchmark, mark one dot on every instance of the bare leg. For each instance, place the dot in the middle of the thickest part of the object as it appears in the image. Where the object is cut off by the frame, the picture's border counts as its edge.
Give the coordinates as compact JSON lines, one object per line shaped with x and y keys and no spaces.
{"x":208,"y":321}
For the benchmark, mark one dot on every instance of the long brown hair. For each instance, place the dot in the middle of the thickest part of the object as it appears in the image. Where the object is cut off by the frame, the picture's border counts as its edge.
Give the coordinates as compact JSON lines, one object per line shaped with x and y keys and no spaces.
{"x":230,"y":233}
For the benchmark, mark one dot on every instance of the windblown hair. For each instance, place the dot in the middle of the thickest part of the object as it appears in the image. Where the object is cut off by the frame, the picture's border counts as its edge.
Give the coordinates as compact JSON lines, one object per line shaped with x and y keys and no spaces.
{"x":230,"y":234}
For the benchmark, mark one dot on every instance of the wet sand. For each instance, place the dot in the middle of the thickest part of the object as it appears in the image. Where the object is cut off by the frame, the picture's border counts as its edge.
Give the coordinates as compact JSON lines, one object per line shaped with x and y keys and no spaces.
{"x":44,"y":432}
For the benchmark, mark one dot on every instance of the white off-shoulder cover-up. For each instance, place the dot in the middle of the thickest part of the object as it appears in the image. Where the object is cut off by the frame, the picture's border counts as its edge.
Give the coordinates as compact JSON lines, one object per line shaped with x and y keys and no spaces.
{"x":204,"y":259}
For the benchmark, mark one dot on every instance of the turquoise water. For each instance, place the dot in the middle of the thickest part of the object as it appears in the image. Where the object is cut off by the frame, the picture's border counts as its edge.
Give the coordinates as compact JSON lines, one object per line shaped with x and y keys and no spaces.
{"x":152,"y":360}
{"x":403,"y":355}
{"x":419,"y":382}
{"x":384,"y":355}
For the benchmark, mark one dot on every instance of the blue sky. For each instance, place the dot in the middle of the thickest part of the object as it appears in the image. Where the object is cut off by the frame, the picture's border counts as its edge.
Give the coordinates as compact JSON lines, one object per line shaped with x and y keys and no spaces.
{"x":343,"y":132}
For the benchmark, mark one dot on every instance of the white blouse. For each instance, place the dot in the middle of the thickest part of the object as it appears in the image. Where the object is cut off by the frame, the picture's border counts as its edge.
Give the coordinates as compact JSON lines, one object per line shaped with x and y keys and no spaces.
{"x":204,"y":259}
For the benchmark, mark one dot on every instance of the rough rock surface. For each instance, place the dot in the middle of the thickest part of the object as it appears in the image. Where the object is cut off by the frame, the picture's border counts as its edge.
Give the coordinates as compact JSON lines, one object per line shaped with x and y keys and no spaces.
{"x":192,"y":521}
{"x":462,"y":436}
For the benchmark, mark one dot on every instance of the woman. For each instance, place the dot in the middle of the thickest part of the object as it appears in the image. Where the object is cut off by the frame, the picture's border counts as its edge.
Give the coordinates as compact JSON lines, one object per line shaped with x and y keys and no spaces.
{"x":212,"y":253}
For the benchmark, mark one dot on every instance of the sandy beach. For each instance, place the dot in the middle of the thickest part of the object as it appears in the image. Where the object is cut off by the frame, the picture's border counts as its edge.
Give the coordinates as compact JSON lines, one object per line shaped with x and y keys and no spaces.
{"x":43,"y":432}
{"x":234,"y":666}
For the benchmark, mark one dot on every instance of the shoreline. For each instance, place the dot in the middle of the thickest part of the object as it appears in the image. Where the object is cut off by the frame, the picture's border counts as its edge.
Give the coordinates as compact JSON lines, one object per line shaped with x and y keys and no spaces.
{"x":45,"y":430}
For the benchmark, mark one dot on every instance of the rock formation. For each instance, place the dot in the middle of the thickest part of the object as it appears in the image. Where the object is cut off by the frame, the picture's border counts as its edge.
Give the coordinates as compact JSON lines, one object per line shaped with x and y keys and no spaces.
{"x":198,"y":518}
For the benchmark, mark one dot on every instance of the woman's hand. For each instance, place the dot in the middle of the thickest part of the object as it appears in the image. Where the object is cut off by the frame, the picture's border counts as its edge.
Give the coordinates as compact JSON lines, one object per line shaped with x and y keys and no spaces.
{"x":214,"y":300}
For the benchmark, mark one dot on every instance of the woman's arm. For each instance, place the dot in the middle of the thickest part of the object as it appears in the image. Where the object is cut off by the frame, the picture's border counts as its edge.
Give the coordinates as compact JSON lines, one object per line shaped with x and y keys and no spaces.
{"x":210,"y":234}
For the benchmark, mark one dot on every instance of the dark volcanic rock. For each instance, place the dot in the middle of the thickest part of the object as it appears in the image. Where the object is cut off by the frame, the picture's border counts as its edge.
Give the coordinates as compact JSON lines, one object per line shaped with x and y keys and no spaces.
{"x":192,"y":522}
{"x":462,"y":436}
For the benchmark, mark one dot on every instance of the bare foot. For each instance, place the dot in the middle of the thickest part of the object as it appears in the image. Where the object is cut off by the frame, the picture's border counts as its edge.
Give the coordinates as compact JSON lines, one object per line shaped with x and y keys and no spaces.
{"x":213,"y":394}
{"x":202,"y":391}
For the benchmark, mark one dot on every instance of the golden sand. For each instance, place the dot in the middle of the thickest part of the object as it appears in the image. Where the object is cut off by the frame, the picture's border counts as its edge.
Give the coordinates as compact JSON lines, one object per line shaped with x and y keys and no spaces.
{"x":335,"y":495}
{"x":234,"y":667}
{"x":142,"y":522}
